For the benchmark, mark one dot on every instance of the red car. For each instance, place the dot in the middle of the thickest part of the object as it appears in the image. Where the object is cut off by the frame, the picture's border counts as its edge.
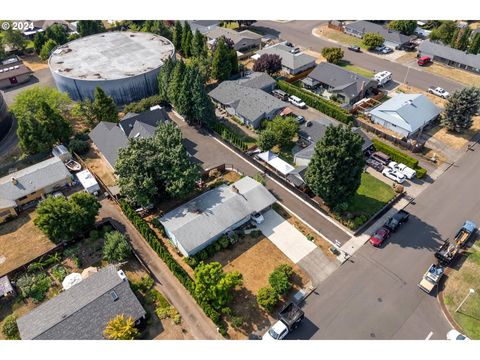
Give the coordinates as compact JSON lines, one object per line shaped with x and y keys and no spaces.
{"x":379,"y":237}
{"x":424,"y":60}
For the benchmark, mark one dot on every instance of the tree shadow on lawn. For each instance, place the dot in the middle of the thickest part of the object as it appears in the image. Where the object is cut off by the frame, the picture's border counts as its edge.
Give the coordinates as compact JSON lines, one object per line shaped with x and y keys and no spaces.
{"x":13,"y":225}
{"x":365,"y":205}
{"x":230,"y":254}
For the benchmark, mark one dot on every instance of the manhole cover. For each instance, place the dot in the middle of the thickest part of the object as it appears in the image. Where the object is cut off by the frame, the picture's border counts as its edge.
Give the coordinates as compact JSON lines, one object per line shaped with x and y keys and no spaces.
{"x":2,"y":259}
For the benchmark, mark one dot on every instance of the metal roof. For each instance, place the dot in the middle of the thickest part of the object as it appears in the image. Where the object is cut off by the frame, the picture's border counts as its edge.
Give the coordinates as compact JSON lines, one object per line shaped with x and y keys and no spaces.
{"x":196,"y":222}
{"x":111,"y":55}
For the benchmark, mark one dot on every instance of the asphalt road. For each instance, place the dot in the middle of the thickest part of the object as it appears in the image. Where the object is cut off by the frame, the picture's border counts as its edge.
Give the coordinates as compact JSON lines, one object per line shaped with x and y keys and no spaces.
{"x":299,"y":32}
{"x":375,"y":296}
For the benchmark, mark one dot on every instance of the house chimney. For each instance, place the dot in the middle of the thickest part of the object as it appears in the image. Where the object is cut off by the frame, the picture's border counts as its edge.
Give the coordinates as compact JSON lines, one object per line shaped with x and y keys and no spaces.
{"x":14,"y":181}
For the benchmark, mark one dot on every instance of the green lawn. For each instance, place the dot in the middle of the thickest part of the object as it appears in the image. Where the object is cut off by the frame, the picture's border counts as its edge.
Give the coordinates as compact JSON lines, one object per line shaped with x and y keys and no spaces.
{"x":344,"y":38}
{"x":371,"y":196}
{"x":457,"y":287}
{"x":357,"y":69}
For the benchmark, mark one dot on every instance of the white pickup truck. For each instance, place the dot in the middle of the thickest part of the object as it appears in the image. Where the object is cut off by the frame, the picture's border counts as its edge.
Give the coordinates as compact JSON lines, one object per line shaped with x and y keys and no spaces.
{"x":290,"y":317}
{"x":438,"y":91}
{"x":431,"y":278}
{"x":404,"y":169}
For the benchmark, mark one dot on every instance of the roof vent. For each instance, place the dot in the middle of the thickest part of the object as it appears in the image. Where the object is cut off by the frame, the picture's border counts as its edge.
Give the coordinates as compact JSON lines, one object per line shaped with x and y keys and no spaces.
{"x":114,"y":295}
{"x":235,"y":189}
{"x":14,"y":181}
{"x":130,"y":126}
{"x":122,"y":275}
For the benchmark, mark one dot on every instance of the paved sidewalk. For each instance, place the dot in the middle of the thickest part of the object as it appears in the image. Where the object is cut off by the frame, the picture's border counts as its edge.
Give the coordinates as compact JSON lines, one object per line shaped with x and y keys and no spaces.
{"x":193,"y":318}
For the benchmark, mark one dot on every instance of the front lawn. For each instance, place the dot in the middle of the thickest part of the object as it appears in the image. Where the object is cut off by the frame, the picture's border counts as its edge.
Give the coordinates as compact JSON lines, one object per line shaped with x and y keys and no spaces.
{"x":356,"y":69}
{"x":371,"y":196}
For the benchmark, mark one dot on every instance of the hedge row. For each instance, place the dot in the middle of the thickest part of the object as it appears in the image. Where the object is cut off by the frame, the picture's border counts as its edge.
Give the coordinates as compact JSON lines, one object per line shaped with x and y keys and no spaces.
{"x":163,"y":253}
{"x":325,"y":106}
{"x":399,"y":157}
{"x":229,"y":135}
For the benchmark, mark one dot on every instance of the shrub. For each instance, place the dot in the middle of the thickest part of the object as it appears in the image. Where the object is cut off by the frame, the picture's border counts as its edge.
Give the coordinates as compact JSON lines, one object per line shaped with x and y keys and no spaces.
{"x":116,"y":247}
{"x":191,"y":261}
{"x":267,"y":298}
{"x":10,"y":328}
{"x":224,"y":242}
{"x":79,"y":147}
{"x":162,"y":312}
{"x":34,"y":286}
{"x":237,"y":321}
{"x":279,"y":279}
{"x":325,"y":106}
{"x":94,"y":234}
{"x":144,"y":104}
{"x":395,"y":154}
{"x":158,"y":225}
{"x":59,"y":272}
{"x":421,"y":172}
{"x":285,"y":268}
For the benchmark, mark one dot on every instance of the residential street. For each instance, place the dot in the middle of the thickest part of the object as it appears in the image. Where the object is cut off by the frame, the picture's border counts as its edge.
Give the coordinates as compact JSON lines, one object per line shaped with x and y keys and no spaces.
{"x":375,"y":294}
{"x":299,"y":32}
{"x":193,"y":318}
{"x":209,"y":153}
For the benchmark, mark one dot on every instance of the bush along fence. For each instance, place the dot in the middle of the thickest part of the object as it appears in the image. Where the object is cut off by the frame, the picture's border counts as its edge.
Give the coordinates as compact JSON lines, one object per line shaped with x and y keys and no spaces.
{"x":155,"y":243}
{"x":228,"y":135}
{"x":325,"y":106}
{"x":400,"y":157}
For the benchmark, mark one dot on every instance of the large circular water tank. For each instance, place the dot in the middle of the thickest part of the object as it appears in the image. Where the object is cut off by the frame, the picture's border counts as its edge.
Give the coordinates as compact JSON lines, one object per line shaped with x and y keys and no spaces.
{"x":124,"y":64}
{"x":5,"y":119}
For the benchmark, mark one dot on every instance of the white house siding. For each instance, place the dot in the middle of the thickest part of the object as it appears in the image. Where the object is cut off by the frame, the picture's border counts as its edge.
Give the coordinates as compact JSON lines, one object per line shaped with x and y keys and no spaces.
{"x":390,"y":126}
{"x":245,"y":44}
{"x":301,"y":161}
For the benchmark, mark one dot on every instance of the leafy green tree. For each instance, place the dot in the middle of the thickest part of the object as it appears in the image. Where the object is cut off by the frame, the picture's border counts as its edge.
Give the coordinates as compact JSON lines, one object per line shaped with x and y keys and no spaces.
{"x":63,"y":219}
{"x":38,"y":40}
{"x":444,"y":32}
{"x":266,"y":140}
{"x":47,"y":48}
{"x":89,"y":27}
{"x":10,"y":328}
{"x":213,"y":285}
{"x":85,"y":112}
{"x":267,"y":298}
{"x":459,"y":109}
{"x":164,"y":78}
{"x":177,"y":35}
{"x":187,"y":38}
{"x":335,"y":170}
{"x":40,"y":132}
{"x":284,"y":129}
{"x":279,"y":281}
{"x":199,"y":45}
{"x":116,"y":247}
{"x":34,"y":286}
{"x":78,"y":146}
{"x":2,"y":50}
{"x":175,"y":83}
{"x":159,"y":166}
{"x":222,"y":63}
{"x":14,"y":39}
{"x":121,"y":328}
{"x":104,"y":107}
{"x":333,"y":54}
{"x":203,"y":108}
{"x":269,"y":63}
{"x":372,"y":40}
{"x":57,"y":33}
{"x":406,"y":27}
{"x":474,"y":47}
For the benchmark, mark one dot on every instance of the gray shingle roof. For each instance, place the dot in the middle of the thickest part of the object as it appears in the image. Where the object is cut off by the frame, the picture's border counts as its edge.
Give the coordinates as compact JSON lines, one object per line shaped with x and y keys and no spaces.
{"x":249,"y":102}
{"x":32,"y":179}
{"x":203,"y":218}
{"x":83,"y":311}
{"x":364,"y":27}
{"x":340,"y":79}
{"x":109,"y":137}
{"x":235,"y":36}
{"x":448,"y":53}
{"x":407,"y":111}
{"x":289,"y":60}
{"x":258,"y":80}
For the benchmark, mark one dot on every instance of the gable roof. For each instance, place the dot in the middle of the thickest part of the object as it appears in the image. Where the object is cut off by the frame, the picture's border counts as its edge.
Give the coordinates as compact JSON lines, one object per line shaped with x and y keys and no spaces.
{"x":13,"y":69}
{"x":407,"y":111}
{"x":289,"y":60}
{"x":257,"y":80}
{"x":32,"y":179}
{"x":210,"y":214}
{"x":203,"y":26}
{"x":449,"y":53}
{"x":340,"y":79}
{"x":109,"y":137}
{"x":235,"y":36}
{"x":276,"y":162}
{"x":249,"y":102}
{"x":83,"y":311}
{"x":364,"y":27}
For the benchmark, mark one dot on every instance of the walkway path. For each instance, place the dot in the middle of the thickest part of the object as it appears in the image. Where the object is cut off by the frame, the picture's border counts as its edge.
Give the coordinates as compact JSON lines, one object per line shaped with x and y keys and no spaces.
{"x":193,"y":318}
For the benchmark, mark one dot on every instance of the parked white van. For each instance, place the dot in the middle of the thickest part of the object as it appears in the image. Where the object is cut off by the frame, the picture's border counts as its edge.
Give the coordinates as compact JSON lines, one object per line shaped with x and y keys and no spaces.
{"x":383,"y":77}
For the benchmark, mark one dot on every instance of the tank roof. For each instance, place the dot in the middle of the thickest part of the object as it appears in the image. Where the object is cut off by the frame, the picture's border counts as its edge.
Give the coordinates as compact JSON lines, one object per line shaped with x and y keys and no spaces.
{"x":111,"y":55}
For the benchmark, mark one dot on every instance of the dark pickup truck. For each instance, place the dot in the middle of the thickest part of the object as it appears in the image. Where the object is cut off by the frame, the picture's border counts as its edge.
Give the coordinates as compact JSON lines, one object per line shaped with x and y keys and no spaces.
{"x":396,"y":220}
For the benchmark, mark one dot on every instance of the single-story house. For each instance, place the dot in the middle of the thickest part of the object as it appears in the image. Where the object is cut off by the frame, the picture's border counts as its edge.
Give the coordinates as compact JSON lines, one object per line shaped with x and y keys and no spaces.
{"x":291,"y":63}
{"x":203,"y":26}
{"x":312,"y":134}
{"x":42,"y":25}
{"x":275,"y":162}
{"x":31,"y":183}
{"x":83,"y":311}
{"x":248,"y":98}
{"x":405,"y":114}
{"x":449,"y":56}
{"x":242,"y":40}
{"x":392,"y":38}
{"x":198,"y":223}
{"x":109,"y":137}
{"x":347,"y":86}
{"x":13,"y":72}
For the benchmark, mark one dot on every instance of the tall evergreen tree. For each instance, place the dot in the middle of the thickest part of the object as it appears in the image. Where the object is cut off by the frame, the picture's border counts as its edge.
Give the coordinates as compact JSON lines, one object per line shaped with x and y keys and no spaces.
{"x":57,"y":33}
{"x":175,"y":82}
{"x":39,"y":39}
{"x":474,"y":47}
{"x":89,"y":27}
{"x":222,"y":62}
{"x":177,"y":35}
{"x":203,"y":108}
{"x":184,"y":104}
{"x":464,"y":39}
{"x":335,"y":170}
{"x":187,"y":37}
{"x":199,"y":46}
{"x":164,"y":78}
{"x":460,"y":107}
{"x":104,"y":107}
